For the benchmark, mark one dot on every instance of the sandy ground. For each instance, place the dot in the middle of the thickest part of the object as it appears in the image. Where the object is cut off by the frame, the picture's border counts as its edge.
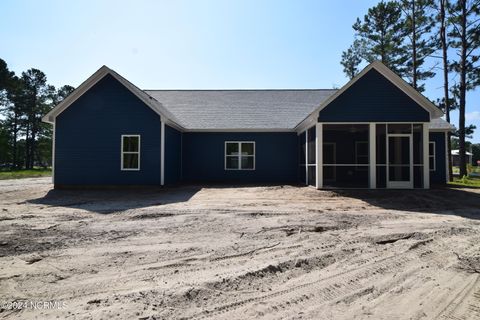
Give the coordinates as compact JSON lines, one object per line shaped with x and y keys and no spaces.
{"x":235,"y":253}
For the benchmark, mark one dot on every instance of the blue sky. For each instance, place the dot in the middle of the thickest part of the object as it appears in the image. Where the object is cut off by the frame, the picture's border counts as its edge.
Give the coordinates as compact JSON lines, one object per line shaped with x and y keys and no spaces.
{"x":198,"y":44}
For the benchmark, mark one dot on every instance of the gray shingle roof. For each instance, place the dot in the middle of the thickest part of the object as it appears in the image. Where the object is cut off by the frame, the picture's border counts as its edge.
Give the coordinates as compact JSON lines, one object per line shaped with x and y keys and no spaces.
{"x":440,"y":124}
{"x":240,"y":109}
{"x":247,"y":109}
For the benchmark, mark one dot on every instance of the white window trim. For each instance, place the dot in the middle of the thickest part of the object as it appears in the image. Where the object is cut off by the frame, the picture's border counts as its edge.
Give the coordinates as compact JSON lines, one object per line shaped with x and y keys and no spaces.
{"x":239,"y":155}
{"x":432,"y":155}
{"x":129,"y":152}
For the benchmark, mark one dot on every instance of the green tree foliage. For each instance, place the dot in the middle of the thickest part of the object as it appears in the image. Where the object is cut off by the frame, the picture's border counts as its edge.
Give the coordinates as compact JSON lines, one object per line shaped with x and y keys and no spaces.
{"x":476,"y":153}
{"x":4,"y":144}
{"x":440,"y":7}
{"x":464,"y":38}
{"x":418,"y":23}
{"x":351,"y":59}
{"x":381,"y":33}
{"x":24,"y":140}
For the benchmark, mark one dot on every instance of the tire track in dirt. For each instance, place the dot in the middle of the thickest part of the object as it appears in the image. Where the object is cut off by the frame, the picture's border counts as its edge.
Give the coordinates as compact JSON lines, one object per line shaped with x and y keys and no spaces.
{"x":335,"y":285}
{"x":464,"y":303}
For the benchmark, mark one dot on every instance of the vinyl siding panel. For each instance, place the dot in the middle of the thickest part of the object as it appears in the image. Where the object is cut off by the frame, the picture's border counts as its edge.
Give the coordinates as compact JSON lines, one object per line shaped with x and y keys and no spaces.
{"x":173,"y":155}
{"x":276,"y":157}
{"x":373,"y":98}
{"x":88,"y":138}
{"x":439,"y":175}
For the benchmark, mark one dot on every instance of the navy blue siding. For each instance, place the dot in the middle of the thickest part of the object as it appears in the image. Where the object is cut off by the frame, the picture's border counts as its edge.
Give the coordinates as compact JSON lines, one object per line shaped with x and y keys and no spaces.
{"x":276,"y":157}
{"x":88,"y":138}
{"x":373,"y":98}
{"x":173,"y":155}
{"x":439,"y":175}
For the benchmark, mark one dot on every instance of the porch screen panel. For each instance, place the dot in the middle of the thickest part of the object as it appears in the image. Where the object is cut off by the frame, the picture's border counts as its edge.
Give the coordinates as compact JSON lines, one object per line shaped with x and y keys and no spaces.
{"x":381,"y":153}
{"x":348,"y":167}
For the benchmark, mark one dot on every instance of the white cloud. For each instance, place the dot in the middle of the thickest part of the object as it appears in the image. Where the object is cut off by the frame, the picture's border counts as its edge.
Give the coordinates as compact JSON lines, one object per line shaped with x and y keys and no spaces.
{"x":472,"y":116}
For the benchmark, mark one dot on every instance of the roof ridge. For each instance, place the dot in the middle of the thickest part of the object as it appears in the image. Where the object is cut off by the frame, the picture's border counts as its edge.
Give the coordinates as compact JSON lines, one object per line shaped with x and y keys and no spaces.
{"x":239,"y":89}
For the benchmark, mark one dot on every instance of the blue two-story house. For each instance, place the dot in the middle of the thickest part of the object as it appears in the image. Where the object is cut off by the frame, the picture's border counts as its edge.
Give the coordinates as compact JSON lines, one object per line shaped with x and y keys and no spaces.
{"x":374,"y":132}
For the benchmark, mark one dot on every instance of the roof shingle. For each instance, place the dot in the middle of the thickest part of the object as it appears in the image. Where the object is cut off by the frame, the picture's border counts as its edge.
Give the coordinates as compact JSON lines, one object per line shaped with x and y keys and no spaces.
{"x":240,"y":109}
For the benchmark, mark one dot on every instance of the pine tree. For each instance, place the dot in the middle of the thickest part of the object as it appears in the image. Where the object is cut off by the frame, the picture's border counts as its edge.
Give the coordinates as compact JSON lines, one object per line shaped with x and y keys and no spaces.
{"x":465,"y":39}
{"x":418,"y":24}
{"x":351,"y":59}
{"x":382,"y":33}
{"x":447,"y":103}
{"x":36,"y":96}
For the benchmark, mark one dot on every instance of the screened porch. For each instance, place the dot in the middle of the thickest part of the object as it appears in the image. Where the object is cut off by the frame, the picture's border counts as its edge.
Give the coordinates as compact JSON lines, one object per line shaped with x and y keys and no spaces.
{"x":365,"y":155}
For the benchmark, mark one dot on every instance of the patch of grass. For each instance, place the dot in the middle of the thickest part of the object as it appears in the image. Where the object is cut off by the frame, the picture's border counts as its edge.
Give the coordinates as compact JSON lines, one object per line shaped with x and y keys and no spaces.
{"x":20,"y":174}
{"x":466,"y":182}
{"x":472,"y":170}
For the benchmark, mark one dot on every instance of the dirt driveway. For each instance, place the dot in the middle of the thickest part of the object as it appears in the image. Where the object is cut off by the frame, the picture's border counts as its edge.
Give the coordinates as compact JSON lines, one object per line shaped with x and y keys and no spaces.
{"x":236,"y":253}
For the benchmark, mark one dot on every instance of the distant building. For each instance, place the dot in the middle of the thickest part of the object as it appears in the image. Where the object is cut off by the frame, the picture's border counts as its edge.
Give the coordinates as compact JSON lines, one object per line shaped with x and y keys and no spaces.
{"x":456,"y":158}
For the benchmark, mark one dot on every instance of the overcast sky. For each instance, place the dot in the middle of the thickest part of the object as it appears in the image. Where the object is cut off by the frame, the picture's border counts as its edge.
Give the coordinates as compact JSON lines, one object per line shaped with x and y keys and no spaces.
{"x":196,"y":44}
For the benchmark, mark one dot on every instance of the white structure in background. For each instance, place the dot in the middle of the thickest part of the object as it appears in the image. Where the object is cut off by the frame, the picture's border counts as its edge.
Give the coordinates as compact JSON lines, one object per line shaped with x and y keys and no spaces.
{"x":456,"y":158}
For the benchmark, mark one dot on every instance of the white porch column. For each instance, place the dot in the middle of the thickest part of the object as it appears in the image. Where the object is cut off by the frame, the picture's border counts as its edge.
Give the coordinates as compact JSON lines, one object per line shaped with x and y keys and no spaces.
{"x":53,"y":152}
{"x":372,"y":155}
{"x":162,"y":152}
{"x":319,"y":157}
{"x":426,"y":162}
{"x":306,"y":156}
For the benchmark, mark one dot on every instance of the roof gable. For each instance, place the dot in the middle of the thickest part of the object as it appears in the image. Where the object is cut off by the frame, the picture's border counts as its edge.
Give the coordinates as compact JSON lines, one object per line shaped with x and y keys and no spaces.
{"x":388,"y":74}
{"x":373,"y":98}
{"x":94,"y":79}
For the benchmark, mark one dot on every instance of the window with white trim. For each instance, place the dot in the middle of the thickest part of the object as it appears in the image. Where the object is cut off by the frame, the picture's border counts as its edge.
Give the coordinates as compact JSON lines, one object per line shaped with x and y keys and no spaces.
{"x":239,"y":155}
{"x":130,"y":152}
{"x":431,"y":155}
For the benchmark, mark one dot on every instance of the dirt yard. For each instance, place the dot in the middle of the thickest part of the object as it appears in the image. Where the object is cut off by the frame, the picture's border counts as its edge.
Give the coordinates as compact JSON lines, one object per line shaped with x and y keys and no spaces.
{"x":236,"y":253}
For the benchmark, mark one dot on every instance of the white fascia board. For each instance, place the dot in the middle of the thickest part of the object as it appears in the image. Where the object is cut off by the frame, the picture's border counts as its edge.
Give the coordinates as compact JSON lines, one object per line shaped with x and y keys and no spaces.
{"x":94,"y":79}
{"x":441,"y":130}
{"x":241,"y":130}
{"x":392,"y":77}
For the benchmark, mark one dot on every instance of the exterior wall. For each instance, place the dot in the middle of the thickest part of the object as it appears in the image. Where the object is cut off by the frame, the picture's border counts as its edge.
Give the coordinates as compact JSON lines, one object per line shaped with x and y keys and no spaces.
{"x":373,"y":98}
{"x":173,"y":155}
{"x":88,"y":138}
{"x":276,"y":157}
{"x":439,"y":175}
{"x":456,"y":160}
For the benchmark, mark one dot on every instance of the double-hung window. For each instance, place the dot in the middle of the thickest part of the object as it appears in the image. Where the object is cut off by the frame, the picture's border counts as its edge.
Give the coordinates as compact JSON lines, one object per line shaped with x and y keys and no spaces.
{"x":130,"y":160}
{"x":239,"y":155}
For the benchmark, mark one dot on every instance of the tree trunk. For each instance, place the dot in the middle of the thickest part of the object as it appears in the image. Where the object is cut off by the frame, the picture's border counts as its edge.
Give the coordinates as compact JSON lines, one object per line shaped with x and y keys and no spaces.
{"x":14,"y":142}
{"x":443,"y":41}
{"x":27,"y":145}
{"x":414,"y":47}
{"x":463,"y":89}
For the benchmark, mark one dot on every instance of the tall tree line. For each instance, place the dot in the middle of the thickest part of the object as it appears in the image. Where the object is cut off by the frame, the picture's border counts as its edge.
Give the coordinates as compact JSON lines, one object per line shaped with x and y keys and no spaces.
{"x":25,"y":141}
{"x":417,"y":38}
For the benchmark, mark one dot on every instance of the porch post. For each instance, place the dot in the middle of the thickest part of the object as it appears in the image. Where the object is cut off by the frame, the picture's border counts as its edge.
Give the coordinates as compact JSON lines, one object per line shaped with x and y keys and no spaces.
{"x":426,"y":162}
{"x":306,"y":157}
{"x":319,"y":157}
{"x":162,"y":152}
{"x":372,"y":155}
